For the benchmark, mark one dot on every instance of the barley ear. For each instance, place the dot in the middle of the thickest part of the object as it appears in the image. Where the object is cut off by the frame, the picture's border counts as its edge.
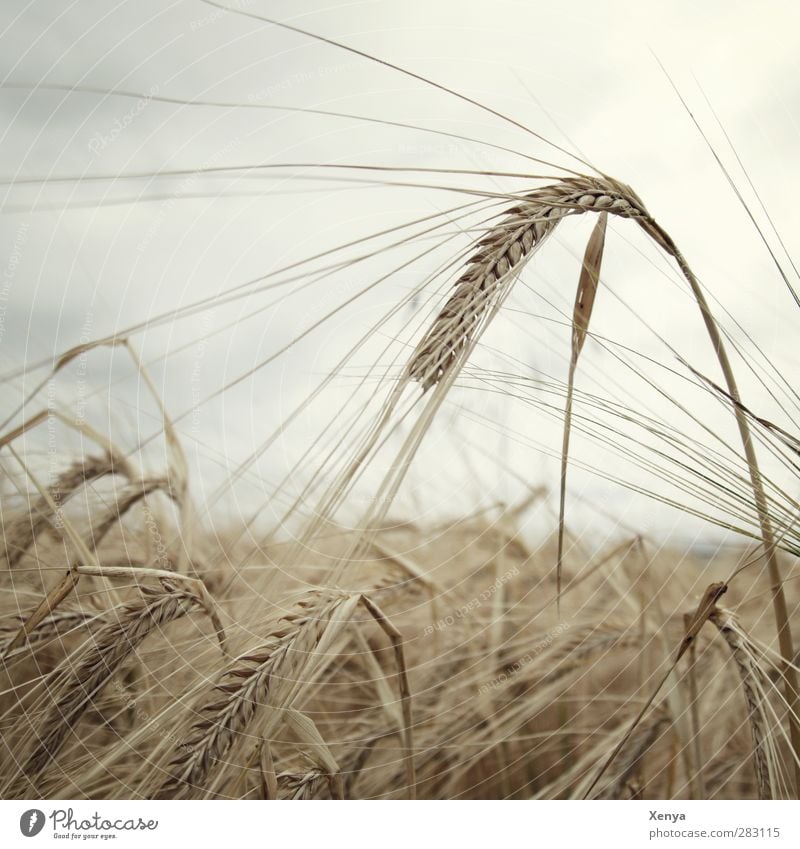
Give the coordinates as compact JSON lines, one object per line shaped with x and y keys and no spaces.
{"x":749,"y":670}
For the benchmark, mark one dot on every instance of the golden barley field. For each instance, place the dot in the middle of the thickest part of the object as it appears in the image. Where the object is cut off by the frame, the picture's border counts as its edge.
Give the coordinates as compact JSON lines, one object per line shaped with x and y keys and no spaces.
{"x":392,"y":412}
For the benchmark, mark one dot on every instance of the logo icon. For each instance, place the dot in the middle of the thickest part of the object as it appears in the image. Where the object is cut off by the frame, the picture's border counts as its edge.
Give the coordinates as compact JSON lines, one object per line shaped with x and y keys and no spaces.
{"x":31,"y":822}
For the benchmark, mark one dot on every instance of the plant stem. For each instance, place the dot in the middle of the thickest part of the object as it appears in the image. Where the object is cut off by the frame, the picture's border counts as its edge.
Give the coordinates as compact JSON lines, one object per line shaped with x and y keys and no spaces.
{"x":697,"y":780}
{"x":785,"y":640}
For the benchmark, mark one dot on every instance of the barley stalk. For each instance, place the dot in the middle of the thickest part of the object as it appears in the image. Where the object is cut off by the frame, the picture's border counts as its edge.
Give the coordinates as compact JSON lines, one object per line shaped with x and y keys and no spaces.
{"x":697,"y":778}
{"x":638,"y":746}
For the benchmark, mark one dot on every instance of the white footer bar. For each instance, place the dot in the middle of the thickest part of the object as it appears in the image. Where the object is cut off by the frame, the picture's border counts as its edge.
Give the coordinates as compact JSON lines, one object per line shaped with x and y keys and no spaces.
{"x":400,"y":825}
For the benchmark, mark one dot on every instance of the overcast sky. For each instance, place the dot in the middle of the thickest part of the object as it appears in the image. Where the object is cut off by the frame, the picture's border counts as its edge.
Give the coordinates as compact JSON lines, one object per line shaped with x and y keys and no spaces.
{"x":84,"y":257}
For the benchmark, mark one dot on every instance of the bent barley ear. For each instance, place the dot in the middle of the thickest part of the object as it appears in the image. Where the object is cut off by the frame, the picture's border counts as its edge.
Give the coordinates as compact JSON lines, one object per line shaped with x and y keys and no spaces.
{"x":500,"y":256}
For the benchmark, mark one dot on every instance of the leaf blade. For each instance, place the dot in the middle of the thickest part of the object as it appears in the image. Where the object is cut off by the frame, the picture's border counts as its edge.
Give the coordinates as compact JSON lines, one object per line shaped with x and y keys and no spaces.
{"x":581,"y":315}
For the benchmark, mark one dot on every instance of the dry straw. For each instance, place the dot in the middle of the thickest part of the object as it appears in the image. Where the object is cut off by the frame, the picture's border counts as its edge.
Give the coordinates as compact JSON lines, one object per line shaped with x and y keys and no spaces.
{"x":204,"y":747}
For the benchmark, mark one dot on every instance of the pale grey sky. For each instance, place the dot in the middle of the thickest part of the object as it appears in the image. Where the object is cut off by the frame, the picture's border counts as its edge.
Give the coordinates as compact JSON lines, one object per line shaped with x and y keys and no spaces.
{"x":83,"y":258}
